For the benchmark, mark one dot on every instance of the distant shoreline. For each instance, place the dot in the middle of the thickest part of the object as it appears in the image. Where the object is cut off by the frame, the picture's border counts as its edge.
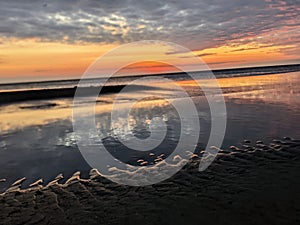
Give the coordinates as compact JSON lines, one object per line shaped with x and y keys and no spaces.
{"x":55,"y":93}
{"x":267,"y":69}
{"x":44,"y":94}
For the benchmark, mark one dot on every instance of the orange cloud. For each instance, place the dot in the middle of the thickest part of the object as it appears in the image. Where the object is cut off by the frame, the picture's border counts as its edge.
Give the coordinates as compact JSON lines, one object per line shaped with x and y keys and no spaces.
{"x":244,"y":55}
{"x":148,"y":67}
{"x":33,"y":59}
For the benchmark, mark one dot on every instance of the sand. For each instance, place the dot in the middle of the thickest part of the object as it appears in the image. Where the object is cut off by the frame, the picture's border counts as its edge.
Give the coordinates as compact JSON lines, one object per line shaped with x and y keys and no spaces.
{"x":256,"y":184}
{"x":8,"y":97}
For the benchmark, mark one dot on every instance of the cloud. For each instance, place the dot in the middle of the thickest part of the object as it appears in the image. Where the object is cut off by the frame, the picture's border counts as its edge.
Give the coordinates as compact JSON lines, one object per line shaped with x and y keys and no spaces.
{"x":253,"y":47}
{"x":177,"y":51}
{"x":135,"y":67}
{"x":206,"y":54}
{"x":195,"y":24}
{"x":244,"y":49}
{"x":227,"y":62}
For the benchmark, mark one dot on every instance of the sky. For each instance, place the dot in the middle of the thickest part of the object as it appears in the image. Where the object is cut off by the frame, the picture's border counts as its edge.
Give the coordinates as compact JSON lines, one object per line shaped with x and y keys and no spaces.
{"x":44,"y":40}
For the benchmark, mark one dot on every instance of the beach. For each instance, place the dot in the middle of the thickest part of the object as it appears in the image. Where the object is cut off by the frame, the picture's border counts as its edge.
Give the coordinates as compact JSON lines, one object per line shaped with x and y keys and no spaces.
{"x":257,"y":183}
{"x":253,"y":180}
{"x":149,"y":112}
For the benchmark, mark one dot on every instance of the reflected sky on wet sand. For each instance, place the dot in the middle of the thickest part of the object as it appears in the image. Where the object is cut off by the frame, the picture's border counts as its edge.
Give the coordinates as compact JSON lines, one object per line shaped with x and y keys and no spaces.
{"x":37,"y":141}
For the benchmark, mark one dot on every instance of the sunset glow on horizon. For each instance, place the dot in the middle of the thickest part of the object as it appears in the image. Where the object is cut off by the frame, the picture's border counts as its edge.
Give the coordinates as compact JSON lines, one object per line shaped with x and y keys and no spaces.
{"x":36,"y":53}
{"x":36,"y":60}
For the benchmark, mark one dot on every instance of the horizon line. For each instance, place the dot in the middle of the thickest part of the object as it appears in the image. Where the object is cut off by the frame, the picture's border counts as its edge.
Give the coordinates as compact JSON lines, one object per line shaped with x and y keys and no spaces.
{"x":154,"y":74}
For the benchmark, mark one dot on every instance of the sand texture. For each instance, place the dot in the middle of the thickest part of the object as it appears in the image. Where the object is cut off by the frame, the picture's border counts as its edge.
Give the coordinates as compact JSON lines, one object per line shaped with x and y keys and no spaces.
{"x":256,"y":184}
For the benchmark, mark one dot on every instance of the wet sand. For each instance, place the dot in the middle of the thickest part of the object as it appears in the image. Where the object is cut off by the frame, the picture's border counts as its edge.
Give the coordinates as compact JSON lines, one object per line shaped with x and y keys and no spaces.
{"x":44,"y":94}
{"x":256,"y":184}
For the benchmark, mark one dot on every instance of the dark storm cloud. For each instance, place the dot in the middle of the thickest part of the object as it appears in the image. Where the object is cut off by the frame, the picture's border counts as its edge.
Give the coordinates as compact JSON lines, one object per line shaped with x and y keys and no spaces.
{"x":196,"y":24}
